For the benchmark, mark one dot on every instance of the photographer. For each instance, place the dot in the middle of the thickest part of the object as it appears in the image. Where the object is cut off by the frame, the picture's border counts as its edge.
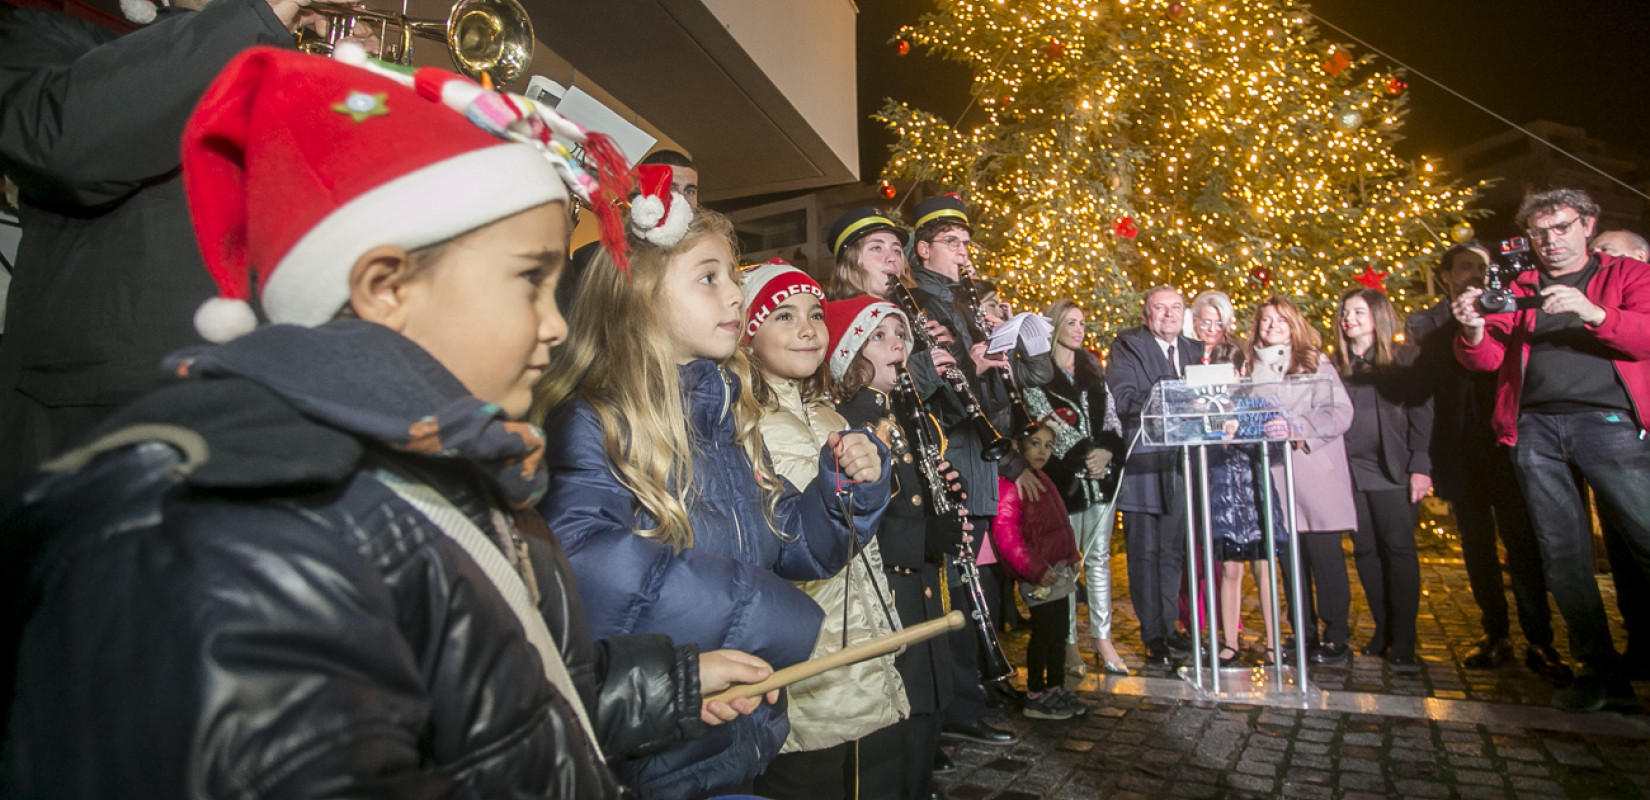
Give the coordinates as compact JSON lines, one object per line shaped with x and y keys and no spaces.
{"x":1573,"y":378}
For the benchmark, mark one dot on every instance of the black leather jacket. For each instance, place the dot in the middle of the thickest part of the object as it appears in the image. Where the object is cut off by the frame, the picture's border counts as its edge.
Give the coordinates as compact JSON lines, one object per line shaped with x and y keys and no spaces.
{"x":234,"y":606}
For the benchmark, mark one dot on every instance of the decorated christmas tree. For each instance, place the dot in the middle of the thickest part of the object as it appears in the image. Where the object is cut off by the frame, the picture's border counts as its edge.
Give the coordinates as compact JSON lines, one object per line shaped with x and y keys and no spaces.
{"x":1221,"y":144}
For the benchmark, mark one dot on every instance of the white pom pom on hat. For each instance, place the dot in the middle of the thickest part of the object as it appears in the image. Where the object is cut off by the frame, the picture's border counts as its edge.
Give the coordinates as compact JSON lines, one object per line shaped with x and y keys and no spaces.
{"x":659,"y":214}
{"x":221,"y":319}
{"x":140,"y":11}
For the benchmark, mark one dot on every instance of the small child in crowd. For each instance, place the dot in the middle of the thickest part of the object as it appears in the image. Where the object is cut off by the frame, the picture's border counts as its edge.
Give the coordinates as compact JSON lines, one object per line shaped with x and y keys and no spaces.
{"x":1036,"y":544}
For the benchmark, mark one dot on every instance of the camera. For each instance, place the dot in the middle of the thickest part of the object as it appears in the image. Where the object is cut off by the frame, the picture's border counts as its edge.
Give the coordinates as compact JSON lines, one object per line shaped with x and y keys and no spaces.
{"x":1497,"y":298}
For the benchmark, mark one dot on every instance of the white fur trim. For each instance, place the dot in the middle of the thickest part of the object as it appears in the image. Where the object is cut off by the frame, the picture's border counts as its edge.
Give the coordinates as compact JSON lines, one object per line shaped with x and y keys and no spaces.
{"x":645,"y":212}
{"x":220,"y":319}
{"x":675,"y":224}
{"x":140,"y":11}
{"x":416,"y":210}
{"x":852,"y":343}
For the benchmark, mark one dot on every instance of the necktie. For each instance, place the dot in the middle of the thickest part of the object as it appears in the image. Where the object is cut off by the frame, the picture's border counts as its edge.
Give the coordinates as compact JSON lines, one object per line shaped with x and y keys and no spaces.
{"x":1174,"y":360}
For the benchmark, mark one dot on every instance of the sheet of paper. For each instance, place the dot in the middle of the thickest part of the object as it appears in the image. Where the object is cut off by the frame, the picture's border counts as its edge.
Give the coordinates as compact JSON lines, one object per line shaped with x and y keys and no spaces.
{"x":1025,"y":327}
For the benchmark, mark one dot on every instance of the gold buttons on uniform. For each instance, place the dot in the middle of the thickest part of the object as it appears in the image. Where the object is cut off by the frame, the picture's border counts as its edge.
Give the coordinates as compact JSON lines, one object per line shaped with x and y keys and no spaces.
{"x":916,"y":499}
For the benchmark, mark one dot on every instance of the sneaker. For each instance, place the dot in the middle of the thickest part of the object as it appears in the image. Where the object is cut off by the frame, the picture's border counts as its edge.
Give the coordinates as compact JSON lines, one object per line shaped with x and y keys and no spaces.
{"x":1072,"y":701}
{"x":1047,"y":706}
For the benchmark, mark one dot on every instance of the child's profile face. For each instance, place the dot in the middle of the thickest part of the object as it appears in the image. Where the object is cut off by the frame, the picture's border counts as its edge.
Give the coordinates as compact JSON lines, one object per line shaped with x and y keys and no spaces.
{"x":1037,"y":448}
{"x":885,"y":349}
{"x":702,"y":302}
{"x":486,"y":309}
{"x":790,"y":345}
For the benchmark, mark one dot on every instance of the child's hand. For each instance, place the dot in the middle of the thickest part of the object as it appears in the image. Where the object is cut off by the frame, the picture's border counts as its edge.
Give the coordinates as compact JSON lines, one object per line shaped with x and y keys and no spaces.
{"x":952,"y":479}
{"x":719,"y":669}
{"x":939,"y":333}
{"x":856,"y":457}
{"x":943,"y":360}
{"x":984,"y":361}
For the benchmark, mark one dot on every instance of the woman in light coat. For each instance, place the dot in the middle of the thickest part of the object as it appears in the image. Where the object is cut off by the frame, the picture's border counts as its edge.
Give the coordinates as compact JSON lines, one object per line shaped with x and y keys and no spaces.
{"x":1285,"y":344}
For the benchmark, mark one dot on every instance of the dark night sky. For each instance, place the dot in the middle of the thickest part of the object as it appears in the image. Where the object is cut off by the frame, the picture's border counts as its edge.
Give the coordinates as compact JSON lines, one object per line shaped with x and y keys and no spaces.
{"x":1579,"y":62}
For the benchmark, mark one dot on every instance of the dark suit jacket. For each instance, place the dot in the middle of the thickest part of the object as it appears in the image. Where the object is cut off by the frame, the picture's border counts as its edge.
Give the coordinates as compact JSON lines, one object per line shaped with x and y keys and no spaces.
{"x":1403,"y":403}
{"x":1134,"y":365}
{"x":1462,"y":401}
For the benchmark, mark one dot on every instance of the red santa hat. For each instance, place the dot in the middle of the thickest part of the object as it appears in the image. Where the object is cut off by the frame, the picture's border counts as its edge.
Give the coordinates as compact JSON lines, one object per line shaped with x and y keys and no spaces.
{"x":296,"y":165}
{"x":768,"y":285}
{"x":850,"y":323}
{"x":659,"y":214}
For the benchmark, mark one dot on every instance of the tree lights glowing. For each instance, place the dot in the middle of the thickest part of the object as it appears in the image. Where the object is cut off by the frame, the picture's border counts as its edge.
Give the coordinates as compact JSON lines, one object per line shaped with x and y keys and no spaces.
{"x":1206,"y":144}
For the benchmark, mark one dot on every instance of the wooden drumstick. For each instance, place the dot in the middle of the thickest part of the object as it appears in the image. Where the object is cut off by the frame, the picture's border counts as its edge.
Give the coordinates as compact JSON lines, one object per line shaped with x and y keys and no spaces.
{"x":881,"y":645}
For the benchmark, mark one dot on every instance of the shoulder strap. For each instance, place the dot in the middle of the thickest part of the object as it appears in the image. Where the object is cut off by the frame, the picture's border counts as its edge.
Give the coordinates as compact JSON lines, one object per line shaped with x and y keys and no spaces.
{"x":458,"y":527}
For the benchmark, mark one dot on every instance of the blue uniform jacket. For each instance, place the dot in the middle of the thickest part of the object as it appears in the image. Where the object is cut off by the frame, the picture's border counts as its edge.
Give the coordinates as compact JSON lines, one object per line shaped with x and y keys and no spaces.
{"x":729,"y":589}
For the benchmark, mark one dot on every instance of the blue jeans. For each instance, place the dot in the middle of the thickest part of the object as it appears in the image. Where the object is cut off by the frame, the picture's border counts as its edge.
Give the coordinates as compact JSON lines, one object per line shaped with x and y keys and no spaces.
{"x":1606,"y":448}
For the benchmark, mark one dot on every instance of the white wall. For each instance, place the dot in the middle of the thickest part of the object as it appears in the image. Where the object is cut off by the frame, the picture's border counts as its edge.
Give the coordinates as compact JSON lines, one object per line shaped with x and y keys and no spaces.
{"x":806,"y":47}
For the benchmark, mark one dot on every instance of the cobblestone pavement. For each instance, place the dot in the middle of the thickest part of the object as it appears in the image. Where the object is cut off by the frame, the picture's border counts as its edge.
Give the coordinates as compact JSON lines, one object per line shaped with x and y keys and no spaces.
{"x":1448,"y":732}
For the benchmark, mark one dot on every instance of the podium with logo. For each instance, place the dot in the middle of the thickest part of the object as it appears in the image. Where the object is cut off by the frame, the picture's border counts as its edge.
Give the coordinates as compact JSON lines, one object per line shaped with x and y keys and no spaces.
{"x":1213,"y":409}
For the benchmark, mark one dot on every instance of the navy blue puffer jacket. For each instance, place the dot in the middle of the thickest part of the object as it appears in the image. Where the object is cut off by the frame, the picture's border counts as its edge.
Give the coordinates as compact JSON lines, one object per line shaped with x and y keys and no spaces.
{"x":728,"y":590}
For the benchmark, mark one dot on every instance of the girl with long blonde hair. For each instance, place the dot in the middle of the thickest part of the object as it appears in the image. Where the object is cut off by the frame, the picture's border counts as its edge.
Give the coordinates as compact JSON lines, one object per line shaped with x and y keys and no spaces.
{"x":672,"y":516}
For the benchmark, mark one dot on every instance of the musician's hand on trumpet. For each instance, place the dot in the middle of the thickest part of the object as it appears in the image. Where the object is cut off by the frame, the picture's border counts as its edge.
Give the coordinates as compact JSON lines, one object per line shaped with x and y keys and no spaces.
{"x":719,"y":669}
{"x":363,"y":33}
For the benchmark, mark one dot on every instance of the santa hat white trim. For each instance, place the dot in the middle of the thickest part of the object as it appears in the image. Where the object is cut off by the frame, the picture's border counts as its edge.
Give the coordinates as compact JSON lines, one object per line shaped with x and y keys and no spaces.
{"x":421,"y":208}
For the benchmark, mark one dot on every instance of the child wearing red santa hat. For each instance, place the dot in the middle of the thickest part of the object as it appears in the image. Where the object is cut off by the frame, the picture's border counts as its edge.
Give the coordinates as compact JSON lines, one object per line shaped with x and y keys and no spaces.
{"x":309,"y":567}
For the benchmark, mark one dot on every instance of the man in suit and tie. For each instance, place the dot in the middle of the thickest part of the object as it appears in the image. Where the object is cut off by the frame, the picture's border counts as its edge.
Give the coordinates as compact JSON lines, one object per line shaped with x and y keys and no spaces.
{"x":1150,"y":499}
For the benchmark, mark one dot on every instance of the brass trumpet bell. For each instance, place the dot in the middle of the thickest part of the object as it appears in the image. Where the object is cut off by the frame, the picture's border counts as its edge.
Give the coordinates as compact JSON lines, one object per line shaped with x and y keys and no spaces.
{"x":491,"y":37}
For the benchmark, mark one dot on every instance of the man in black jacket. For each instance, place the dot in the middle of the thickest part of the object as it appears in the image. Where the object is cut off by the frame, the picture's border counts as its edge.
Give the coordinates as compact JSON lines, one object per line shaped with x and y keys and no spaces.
{"x":108,"y":276}
{"x":1153,"y":507}
{"x":1475,"y":475}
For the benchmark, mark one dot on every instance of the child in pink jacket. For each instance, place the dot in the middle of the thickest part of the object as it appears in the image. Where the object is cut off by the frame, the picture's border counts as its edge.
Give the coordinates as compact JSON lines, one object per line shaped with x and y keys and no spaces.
{"x":1035,"y":543}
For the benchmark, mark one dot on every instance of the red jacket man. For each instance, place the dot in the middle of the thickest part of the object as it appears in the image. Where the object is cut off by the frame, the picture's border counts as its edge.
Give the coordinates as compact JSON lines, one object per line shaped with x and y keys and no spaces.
{"x":1572,"y":391}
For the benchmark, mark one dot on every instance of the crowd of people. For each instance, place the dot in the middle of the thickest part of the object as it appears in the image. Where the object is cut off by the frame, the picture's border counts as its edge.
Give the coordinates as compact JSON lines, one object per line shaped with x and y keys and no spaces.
{"x":445,"y":509}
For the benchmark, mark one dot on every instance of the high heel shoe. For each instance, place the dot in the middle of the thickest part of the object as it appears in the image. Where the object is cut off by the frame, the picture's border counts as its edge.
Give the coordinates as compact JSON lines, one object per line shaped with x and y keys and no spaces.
{"x":1110,"y":667}
{"x":1229,"y":660}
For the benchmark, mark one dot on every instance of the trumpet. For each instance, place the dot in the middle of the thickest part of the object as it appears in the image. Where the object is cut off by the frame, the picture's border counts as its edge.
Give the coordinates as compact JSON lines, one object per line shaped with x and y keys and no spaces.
{"x":484,"y":37}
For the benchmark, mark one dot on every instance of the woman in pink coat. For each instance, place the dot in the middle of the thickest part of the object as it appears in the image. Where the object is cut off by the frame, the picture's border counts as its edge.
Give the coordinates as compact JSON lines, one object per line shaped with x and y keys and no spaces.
{"x":1284,"y":344}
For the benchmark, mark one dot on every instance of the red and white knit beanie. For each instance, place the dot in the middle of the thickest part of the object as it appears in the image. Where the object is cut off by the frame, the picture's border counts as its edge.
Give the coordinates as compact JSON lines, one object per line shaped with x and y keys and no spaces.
{"x":770,"y":284}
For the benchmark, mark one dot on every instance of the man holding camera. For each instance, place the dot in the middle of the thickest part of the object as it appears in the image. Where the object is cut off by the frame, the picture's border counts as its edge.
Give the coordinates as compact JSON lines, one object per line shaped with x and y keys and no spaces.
{"x":1572,"y":392}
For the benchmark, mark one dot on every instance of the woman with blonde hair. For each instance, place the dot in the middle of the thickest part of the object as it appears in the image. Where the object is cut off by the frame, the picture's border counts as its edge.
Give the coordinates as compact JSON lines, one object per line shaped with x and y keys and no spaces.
{"x":1284,"y":344}
{"x":1088,"y":451}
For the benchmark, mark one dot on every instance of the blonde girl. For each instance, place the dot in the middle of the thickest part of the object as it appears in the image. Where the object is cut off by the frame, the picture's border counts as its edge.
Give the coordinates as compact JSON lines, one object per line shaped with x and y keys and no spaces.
{"x":663,"y":495}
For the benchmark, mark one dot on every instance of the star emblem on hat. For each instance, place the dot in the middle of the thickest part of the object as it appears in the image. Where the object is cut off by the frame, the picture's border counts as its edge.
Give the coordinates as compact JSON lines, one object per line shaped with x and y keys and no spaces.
{"x":361,"y":105}
{"x":876,"y":312}
{"x":858,"y":329}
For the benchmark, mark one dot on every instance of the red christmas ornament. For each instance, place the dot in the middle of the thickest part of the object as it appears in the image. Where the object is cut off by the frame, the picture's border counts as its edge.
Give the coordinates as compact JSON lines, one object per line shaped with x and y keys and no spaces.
{"x":1176,"y":11}
{"x":1395,"y":87}
{"x":1125,"y":227}
{"x":1056,"y":49}
{"x":902,"y":47}
{"x":1372,"y":279}
{"x":887,"y":190}
{"x":1262,"y":276}
{"x":1338,"y":62}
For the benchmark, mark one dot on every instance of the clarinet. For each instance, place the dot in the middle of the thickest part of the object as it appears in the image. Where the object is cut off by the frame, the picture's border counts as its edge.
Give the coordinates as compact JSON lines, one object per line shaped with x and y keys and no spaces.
{"x":995,"y":446}
{"x":942,"y":501}
{"x":980,"y":328}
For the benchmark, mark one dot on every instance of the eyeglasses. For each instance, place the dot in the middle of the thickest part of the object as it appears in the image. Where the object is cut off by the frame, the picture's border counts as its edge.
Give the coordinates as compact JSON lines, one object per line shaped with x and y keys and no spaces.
{"x":1552,"y":231}
{"x":1210,"y":324}
{"x":954,"y":243}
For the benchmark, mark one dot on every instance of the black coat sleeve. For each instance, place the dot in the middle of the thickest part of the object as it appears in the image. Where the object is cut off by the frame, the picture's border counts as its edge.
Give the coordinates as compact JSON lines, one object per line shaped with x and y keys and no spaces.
{"x":85,"y":121}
